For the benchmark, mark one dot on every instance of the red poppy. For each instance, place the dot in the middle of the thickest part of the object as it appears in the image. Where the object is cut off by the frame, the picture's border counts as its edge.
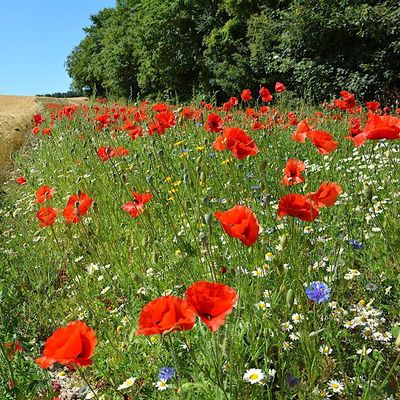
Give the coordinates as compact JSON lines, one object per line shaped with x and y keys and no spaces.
{"x":38,"y":119}
{"x":160,"y":107}
{"x":71,"y":345}
{"x":299,"y":206}
{"x":212,"y":302}
{"x":166,"y":119}
{"x":377,"y":127}
{"x":21,"y":180}
{"x":47,"y":216}
{"x":236,"y":140}
{"x":326,"y":195}
{"x":301,"y":132}
{"x":257,"y":125}
{"x":372,"y":105}
{"x":280,"y":87}
{"x":347,"y":102}
{"x":166,"y":314}
{"x":293,"y":170}
{"x":135,"y":132}
{"x":265,"y":94}
{"x":233,"y":101}
{"x":386,"y":127}
{"x":135,"y":208}
{"x":44,"y":193}
{"x":241,"y":223}
{"x":246,"y":95}
{"x":156,"y":127}
{"x":104,"y":153}
{"x":15,"y":346}
{"x":323,"y":141}
{"x":214,"y":123}
{"x":120,"y":152}
{"x":77,"y":207}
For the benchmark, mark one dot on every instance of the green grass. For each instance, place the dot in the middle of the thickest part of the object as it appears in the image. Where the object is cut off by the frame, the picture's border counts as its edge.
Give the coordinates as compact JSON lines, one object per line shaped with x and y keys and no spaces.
{"x":106,"y":268}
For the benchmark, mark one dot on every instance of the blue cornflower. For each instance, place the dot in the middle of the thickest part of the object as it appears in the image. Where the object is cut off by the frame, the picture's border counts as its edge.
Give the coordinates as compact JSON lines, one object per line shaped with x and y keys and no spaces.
{"x":292,"y":380}
{"x":250,"y":175}
{"x":355,"y":244}
{"x":166,"y":373}
{"x":318,"y":292}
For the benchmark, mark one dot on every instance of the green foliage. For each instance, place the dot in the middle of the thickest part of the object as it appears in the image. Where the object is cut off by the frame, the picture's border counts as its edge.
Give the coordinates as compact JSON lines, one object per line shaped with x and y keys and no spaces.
{"x":316,"y":47}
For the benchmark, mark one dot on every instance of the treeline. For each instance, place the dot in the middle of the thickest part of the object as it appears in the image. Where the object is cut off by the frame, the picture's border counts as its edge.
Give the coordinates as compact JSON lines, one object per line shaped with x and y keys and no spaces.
{"x":63,"y":95}
{"x":179,"y":48}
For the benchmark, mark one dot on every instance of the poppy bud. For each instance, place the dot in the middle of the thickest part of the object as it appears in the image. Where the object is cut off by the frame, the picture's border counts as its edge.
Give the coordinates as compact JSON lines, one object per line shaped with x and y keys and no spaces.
{"x":289,"y":298}
{"x":202,"y":178}
{"x":262,"y":166}
{"x":203,"y":239}
{"x":160,"y":153}
{"x":282,"y":242}
{"x":223,"y":270}
{"x":149,"y":179}
{"x":367,"y":190}
{"x":204,"y":200}
{"x":398,"y":341}
{"x":144,"y":241}
{"x":198,"y":161}
{"x":208,"y":219}
{"x":316,"y":333}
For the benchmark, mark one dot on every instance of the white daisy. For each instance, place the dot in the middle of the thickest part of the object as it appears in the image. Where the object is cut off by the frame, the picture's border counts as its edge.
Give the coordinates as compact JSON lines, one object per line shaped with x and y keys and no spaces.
{"x":128,"y":383}
{"x":253,"y":375}
{"x":335,"y":386}
{"x":161,"y":385}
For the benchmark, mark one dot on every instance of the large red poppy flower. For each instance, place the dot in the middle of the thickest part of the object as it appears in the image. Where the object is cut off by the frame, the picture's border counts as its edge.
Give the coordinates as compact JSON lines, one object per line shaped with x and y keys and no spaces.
{"x":47,"y":216}
{"x":166,"y":119}
{"x":135,"y":208}
{"x":373,"y":105}
{"x":280,"y":87}
{"x":323,"y":141}
{"x":44,"y":193}
{"x":212,"y":302}
{"x":241,"y":223}
{"x":71,"y":345}
{"x":347,"y":102}
{"x":378,"y":127}
{"x":77,"y":206}
{"x":265,"y":94}
{"x":299,"y":206}
{"x":326,"y":195}
{"x":292,"y":172}
{"x":166,"y":314}
{"x":214,"y":123}
{"x":301,"y":132}
{"x":236,"y":140}
{"x":246,"y":95}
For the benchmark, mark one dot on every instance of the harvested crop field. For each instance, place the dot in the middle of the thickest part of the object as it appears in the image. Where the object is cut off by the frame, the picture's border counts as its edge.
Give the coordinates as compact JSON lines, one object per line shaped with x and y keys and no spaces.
{"x":16,"y":122}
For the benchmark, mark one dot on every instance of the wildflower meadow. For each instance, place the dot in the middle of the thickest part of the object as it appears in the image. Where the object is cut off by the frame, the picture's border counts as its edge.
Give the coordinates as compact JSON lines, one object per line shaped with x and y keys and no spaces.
{"x":152,"y":250}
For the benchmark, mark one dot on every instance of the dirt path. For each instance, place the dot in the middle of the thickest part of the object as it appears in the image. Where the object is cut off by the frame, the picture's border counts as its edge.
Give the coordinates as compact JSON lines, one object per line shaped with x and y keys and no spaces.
{"x":16,"y":123}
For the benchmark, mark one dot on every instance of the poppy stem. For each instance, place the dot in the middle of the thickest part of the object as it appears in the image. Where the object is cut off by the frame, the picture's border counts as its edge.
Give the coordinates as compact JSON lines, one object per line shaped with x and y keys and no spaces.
{"x":9,"y":366}
{"x":82,"y":375}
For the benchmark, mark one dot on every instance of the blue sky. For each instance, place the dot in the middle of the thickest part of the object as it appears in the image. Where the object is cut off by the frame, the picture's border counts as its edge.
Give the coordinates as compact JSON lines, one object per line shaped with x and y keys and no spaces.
{"x":36,"y":37}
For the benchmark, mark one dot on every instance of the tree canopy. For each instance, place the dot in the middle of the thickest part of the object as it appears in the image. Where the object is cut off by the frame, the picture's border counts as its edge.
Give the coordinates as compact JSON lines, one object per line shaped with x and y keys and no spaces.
{"x":178,"y":48}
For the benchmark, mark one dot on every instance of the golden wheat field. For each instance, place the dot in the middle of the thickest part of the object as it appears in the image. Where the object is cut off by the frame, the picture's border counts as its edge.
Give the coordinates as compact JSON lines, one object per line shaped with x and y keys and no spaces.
{"x":16,"y":122}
